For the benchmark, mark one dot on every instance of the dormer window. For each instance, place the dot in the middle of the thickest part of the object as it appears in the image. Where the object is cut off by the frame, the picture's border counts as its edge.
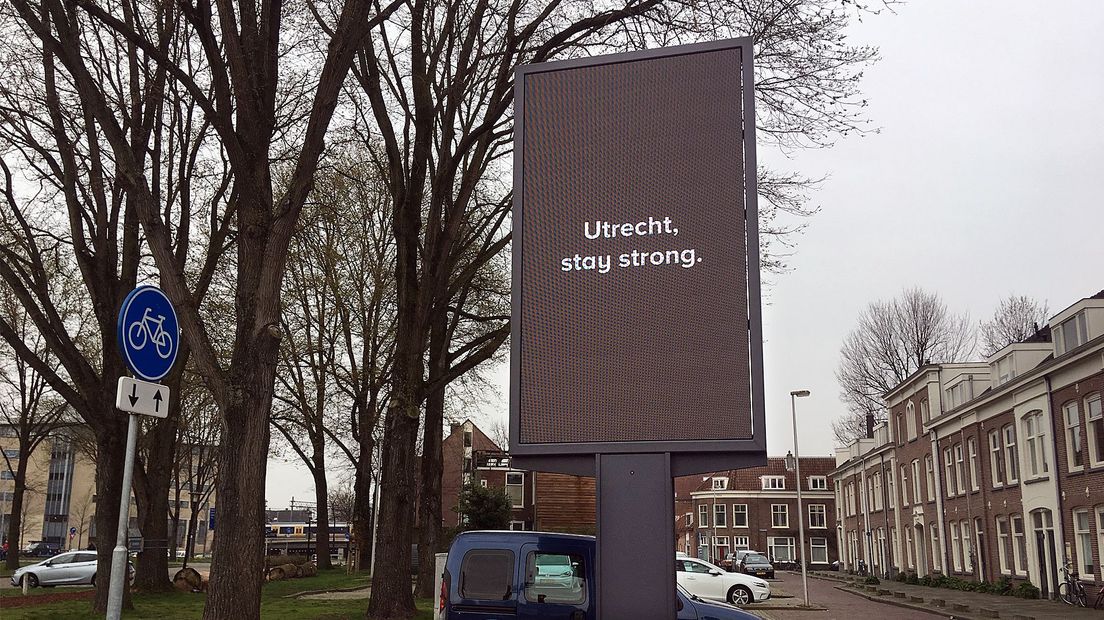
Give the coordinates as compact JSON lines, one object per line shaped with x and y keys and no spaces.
{"x":773,"y":483}
{"x":1006,"y":371}
{"x":1071,"y":333}
{"x":720,"y":484}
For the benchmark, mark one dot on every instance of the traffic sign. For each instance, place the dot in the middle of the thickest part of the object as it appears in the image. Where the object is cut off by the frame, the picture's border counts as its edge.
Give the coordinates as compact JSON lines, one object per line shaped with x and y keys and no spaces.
{"x":148,"y":333}
{"x":142,"y":397}
{"x":72,"y":532}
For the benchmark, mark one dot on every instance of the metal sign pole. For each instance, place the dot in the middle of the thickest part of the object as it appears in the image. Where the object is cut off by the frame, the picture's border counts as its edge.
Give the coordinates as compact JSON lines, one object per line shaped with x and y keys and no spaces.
{"x":119,"y":555}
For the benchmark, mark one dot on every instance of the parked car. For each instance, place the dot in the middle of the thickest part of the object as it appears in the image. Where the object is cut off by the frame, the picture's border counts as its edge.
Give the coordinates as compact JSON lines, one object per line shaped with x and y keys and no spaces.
{"x":758,"y":565}
{"x":68,"y":569}
{"x":709,"y":581}
{"x":732,"y":560}
{"x":41,"y":549}
{"x":537,"y":575}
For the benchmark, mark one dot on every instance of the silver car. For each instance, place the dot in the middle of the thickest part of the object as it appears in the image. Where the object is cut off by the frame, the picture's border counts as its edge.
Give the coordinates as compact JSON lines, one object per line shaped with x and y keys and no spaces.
{"x":65,"y":569}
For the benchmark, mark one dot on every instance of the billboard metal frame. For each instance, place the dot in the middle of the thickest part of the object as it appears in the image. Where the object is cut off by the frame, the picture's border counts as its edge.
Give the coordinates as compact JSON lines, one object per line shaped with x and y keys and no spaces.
{"x":696,"y":455}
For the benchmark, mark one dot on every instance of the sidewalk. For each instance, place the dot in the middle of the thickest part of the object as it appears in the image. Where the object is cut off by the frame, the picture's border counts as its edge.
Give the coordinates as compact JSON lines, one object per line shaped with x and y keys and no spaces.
{"x":961,"y":605}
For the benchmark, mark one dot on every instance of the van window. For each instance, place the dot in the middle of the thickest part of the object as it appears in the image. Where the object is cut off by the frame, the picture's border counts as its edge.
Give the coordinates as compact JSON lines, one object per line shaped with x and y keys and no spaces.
{"x":486,"y":574}
{"x":555,"y":578}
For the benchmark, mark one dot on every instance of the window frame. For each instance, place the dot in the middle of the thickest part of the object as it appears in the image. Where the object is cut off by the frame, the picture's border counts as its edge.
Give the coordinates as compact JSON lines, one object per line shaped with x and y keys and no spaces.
{"x":1095,"y":438}
{"x":1011,"y":454}
{"x":743,"y":512}
{"x":1035,"y":440}
{"x":1019,"y":544}
{"x":482,"y":551}
{"x":975,"y":469}
{"x":821,"y":479}
{"x":785,"y":513}
{"x":1071,"y":420}
{"x":703,"y":515}
{"x":813,"y":547}
{"x":1004,"y":544}
{"x":822,"y":510}
{"x":768,"y":483}
{"x":507,"y":485}
{"x":721,"y":511}
{"x":1082,"y":541}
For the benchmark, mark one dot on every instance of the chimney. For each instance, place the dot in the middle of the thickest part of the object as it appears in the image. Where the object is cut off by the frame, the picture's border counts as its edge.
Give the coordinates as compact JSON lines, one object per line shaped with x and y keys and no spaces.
{"x":454,"y":427}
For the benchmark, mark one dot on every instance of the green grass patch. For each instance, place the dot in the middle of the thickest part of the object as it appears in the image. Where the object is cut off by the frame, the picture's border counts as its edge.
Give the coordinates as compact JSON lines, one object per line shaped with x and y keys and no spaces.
{"x":277,"y":602}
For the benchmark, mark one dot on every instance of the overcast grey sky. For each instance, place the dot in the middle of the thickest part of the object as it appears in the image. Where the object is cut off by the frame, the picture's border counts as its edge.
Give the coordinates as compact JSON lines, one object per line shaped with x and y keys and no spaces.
{"x":986,"y":179}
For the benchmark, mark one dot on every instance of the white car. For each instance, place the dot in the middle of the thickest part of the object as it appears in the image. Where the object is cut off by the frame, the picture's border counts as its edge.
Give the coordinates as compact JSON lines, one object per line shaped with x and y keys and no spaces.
{"x":709,"y":581}
{"x":65,"y":569}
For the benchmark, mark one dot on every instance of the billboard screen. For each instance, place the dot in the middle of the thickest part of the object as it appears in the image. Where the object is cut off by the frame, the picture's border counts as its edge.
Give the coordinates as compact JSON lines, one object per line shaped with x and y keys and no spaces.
{"x":636,"y":291}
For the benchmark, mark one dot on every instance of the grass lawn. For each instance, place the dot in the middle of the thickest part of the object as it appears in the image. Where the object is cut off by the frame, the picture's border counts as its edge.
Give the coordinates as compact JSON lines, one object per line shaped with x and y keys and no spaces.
{"x":5,"y":573}
{"x":275,"y":602}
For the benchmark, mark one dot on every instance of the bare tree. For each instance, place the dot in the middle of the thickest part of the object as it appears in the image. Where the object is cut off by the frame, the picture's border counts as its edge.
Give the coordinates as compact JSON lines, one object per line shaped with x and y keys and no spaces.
{"x":436,"y":79}
{"x":890,"y":342}
{"x":27,"y":406}
{"x":1017,"y":318}
{"x":248,"y":77}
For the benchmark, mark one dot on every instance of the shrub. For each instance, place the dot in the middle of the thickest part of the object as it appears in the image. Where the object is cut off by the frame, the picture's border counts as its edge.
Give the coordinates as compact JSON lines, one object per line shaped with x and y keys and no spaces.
{"x":1003,"y":587}
{"x":926,"y":580}
{"x":872,"y":581}
{"x":912,"y":579}
{"x":1027,"y":590}
{"x":902,"y":577}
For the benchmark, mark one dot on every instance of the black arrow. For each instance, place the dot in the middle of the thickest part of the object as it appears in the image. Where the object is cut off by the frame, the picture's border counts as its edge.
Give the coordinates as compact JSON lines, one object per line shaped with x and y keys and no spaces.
{"x":133,"y":394}
{"x":157,"y":401}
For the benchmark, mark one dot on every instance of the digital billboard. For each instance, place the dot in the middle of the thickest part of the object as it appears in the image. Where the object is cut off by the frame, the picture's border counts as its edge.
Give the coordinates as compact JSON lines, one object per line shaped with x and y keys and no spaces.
{"x":635,"y":260}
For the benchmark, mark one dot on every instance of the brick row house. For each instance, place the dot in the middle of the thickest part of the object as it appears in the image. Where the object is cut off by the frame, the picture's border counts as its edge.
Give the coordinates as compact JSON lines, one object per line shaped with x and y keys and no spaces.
{"x":987,"y":470}
{"x":756,"y":508}
{"x":562,"y":503}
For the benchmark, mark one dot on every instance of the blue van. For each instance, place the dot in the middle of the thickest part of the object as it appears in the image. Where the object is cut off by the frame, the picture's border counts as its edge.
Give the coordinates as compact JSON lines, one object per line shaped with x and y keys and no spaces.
{"x":500,"y":575}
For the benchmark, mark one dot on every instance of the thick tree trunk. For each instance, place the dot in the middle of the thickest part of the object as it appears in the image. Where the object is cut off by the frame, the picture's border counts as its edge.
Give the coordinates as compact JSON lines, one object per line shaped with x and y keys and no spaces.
{"x":110,"y":456}
{"x":237,"y":564}
{"x":321,"y":498}
{"x":392,"y":595}
{"x":362,"y":498}
{"x":152,"y":482}
{"x":15,"y":519}
{"x":189,"y":542}
{"x":429,"y":496}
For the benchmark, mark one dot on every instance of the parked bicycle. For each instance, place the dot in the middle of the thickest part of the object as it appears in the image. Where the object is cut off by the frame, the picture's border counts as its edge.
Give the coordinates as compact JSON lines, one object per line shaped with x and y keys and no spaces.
{"x":1072,"y":591}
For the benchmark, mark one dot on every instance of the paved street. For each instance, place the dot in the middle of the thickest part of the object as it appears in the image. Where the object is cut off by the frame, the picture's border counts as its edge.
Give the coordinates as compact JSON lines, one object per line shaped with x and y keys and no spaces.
{"x":840,"y":605}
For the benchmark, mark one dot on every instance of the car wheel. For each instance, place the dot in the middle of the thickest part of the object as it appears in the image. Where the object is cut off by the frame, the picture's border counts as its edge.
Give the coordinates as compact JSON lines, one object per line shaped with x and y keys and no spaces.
{"x":32,"y":580}
{"x":739,"y":596}
{"x":93,"y":581}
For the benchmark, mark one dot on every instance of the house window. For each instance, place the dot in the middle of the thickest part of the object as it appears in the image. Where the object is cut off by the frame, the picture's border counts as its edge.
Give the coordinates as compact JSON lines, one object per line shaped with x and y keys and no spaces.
{"x":515,"y":488}
{"x":720,"y":515}
{"x":818,"y":483}
{"x":937,"y":560}
{"x":703,"y":515}
{"x":1095,"y":417}
{"x":925,"y":412}
{"x":1036,"y":443}
{"x":877,"y":478}
{"x":467,"y":439}
{"x":1083,"y":538}
{"x":6,"y":474}
{"x":781,"y":548}
{"x":483,"y":483}
{"x":1011,"y":456}
{"x":904,"y":485}
{"x":739,"y":515}
{"x":930,"y":476}
{"x":1074,"y":454}
{"x":818,"y":548}
{"x":818,"y":516}
{"x":948,"y":465}
{"x":1020,"y":544}
{"x":959,"y":469}
{"x":975,"y":473}
{"x":916,"y":480}
{"x":1005,"y":371}
{"x":12,"y":453}
{"x":720,"y":484}
{"x":910,"y":421}
{"x":517,"y":526}
{"x":1071,"y":334}
{"x":720,"y":547}
{"x":1100,"y":534}
{"x":780,"y":515}
{"x":967,"y":562}
{"x":773,"y":483}
{"x":703,"y":539}
{"x":908,"y":547}
{"x":956,"y":547}
{"x":740,"y":542}
{"x":1004,"y":545}
{"x":996,"y":464}
{"x":889,"y":485}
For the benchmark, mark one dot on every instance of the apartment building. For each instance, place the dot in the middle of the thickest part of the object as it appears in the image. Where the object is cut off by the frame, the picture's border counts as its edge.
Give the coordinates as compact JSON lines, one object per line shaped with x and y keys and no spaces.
{"x":59,"y":504}
{"x":756,"y":508}
{"x":987,"y":470}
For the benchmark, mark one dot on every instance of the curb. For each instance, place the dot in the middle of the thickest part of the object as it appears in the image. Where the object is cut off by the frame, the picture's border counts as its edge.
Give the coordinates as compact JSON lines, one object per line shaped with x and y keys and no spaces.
{"x":896,"y":603}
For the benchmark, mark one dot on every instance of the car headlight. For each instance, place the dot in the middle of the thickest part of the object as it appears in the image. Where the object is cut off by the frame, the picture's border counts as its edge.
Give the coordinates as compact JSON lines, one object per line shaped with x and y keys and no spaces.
{"x":760,"y":584}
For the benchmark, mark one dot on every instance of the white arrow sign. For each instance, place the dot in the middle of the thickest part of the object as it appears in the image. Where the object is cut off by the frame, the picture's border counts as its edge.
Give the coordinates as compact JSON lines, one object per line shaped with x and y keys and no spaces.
{"x":142,"y":397}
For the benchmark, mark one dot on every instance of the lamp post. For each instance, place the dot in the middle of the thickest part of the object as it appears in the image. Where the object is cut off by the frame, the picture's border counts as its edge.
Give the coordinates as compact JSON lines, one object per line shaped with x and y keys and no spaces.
{"x":794,"y":395}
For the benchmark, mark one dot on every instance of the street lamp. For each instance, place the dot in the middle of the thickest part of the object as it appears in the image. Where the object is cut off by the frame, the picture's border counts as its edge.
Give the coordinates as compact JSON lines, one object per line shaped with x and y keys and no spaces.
{"x":794,"y":395}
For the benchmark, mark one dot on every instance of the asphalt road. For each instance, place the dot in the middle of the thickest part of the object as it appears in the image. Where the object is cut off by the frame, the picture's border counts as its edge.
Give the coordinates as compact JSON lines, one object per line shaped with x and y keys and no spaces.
{"x":840,"y":605}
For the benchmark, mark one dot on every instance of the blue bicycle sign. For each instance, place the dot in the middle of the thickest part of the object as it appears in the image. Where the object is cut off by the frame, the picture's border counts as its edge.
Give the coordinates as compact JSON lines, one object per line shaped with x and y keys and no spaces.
{"x":148,"y":332}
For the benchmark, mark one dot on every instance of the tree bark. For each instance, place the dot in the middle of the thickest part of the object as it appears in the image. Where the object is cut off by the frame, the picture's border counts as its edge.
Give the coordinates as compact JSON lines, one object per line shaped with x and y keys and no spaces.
{"x":429,"y":495}
{"x":322,"y":505}
{"x":15,"y":520}
{"x":362,"y":498}
{"x":152,"y":480}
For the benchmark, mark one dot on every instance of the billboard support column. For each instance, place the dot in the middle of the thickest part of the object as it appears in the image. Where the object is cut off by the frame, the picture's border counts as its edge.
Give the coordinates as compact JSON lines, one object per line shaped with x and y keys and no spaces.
{"x":636,"y":536}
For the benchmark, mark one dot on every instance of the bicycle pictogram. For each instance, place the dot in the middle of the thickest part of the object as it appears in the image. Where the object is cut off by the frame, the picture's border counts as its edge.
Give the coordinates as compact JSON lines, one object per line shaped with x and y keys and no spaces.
{"x":141,"y":333}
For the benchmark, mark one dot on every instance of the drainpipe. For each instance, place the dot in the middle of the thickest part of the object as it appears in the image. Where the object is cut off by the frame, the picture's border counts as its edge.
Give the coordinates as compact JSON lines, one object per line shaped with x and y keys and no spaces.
{"x":885,"y":513}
